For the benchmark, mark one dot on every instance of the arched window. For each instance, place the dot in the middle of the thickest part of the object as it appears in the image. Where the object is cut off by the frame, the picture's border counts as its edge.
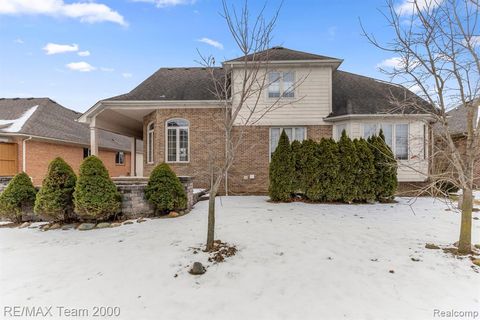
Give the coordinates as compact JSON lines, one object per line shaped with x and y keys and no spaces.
{"x":150,"y":141}
{"x":178,"y":142}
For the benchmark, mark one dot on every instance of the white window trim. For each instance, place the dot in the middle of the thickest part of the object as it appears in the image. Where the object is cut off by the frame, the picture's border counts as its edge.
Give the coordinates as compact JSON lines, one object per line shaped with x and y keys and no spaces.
{"x":281,"y":86}
{"x":284,"y":127}
{"x":394,"y":135}
{"x":178,"y":140}
{"x":152,"y":144}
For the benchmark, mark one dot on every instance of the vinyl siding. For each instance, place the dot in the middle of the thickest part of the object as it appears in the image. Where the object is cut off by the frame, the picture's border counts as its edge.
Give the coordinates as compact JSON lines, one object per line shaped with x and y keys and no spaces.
{"x":311,"y":104}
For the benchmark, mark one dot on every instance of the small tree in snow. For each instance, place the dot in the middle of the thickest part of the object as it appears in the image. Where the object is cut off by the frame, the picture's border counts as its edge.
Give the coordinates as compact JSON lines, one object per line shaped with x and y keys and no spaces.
{"x":282,"y":171}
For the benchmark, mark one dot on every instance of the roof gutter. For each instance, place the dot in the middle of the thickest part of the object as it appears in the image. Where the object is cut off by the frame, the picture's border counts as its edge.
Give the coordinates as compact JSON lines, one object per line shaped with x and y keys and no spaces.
{"x":422,"y":116}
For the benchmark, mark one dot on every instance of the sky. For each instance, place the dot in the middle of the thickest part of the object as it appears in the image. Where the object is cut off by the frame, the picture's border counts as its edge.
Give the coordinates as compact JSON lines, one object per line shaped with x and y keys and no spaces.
{"x":78,"y":52}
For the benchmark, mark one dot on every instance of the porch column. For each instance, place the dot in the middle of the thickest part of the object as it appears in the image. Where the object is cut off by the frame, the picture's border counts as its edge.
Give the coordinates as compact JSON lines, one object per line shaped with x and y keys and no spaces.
{"x":133,"y":156}
{"x":94,"y":141}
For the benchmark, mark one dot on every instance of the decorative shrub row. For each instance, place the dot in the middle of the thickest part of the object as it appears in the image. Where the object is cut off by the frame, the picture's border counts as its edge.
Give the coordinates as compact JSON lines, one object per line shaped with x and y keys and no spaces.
{"x":91,"y":197}
{"x":327,"y":171}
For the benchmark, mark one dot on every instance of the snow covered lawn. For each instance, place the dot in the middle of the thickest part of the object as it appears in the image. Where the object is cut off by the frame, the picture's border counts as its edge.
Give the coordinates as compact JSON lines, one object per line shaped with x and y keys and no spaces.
{"x":295,"y":261}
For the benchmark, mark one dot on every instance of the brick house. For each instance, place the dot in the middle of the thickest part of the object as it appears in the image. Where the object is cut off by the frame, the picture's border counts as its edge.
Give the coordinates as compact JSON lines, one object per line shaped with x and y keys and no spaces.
{"x":34,"y":131}
{"x":175,"y":112}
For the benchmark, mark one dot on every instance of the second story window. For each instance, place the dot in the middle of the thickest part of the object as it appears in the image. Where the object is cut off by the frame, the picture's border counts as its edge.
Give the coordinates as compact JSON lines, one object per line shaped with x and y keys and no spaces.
{"x":281,"y":84}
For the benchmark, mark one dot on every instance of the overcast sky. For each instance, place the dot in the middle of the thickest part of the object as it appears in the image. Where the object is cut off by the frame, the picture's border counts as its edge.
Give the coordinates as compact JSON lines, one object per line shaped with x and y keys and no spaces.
{"x":78,"y":52}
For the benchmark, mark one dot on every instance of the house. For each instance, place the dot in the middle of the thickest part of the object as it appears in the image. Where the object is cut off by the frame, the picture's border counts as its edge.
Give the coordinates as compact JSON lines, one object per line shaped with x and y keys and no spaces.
{"x":34,"y":131}
{"x":179,"y":117}
{"x":457,"y":126}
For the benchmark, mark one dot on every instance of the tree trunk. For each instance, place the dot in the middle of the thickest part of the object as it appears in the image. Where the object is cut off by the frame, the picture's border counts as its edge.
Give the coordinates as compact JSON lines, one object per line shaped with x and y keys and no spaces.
{"x":465,"y":242}
{"x":211,"y":221}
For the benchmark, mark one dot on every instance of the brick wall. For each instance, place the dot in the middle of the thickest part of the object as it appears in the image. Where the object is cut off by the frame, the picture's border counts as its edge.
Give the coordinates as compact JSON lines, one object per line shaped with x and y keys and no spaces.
{"x":249,"y":173}
{"x":40,"y":153}
{"x":207,"y":142}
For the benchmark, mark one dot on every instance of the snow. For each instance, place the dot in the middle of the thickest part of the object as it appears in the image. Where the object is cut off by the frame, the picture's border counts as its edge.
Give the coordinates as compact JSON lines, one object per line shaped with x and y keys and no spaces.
{"x":295,"y":261}
{"x":197,"y":190}
{"x":15,"y":125}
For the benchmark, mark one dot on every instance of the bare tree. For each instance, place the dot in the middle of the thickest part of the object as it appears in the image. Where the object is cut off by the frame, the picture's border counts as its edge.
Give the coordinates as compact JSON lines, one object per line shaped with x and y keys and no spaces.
{"x":436,"y":49}
{"x":239,"y":89}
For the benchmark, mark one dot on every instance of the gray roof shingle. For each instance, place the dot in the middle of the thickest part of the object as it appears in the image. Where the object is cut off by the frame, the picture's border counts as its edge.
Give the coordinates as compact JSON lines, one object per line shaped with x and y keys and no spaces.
{"x":281,"y":54}
{"x":352,"y":93}
{"x":356,"y":94}
{"x":176,"y":84}
{"x":51,"y":120}
{"x":457,"y":123}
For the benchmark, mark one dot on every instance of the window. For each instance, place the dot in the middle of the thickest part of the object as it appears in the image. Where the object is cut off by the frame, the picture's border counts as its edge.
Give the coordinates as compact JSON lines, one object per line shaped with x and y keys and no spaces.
{"x":86,"y":152}
{"x":281,"y":84}
{"x":177,"y":144}
{"x":120,"y":158}
{"x":150,"y":141}
{"x":387,"y":129}
{"x":369,"y":129}
{"x":396,"y":137}
{"x":340,"y":128}
{"x":274,"y":85}
{"x":401,"y":141}
{"x":297,"y":133}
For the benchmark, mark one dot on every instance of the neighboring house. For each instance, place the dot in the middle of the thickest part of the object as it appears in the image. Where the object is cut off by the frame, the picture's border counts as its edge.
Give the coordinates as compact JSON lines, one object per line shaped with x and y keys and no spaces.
{"x":457,"y":126}
{"x":34,"y":131}
{"x":177,"y":115}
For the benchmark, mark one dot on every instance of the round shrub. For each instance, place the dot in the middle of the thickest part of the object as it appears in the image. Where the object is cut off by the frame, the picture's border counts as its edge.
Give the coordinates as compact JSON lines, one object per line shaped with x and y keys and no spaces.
{"x":55,"y":199}
{"x":282,"y":171}
{"x":95,"y":196}
{"x":19,"y":196}
{"x":165,"y":191}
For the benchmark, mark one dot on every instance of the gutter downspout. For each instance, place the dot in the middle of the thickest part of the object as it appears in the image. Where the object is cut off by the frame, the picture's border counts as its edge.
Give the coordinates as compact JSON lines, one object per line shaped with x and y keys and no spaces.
{"x":24,"y":154}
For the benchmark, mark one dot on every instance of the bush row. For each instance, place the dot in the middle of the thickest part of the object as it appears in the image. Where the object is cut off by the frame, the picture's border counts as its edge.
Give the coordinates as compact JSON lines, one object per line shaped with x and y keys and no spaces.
{"x":91,"y":197}
{"x":328,"y":171}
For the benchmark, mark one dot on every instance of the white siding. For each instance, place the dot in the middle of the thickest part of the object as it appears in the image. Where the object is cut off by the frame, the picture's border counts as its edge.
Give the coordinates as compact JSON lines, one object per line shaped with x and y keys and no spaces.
{"x":414,"y":169}
{"x":311,"y":104}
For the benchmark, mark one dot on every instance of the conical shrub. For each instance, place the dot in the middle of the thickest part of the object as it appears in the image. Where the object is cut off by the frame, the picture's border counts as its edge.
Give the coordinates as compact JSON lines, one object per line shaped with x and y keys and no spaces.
{"x":55,"y":199}
{"x":297,"y":152}
{"x":165,"y":191}
{"x":18,"y":196}
{"x":282,"y":171}
{"x":385,"y":180}
{"x":364,"y":178}
{"x":96,"y":197}
{"x":329,"y":170}
{"x":348,"y":161}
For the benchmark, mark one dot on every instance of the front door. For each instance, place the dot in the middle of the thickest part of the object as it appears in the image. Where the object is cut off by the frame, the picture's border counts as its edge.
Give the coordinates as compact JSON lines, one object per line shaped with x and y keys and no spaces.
{"x":8,"y":159}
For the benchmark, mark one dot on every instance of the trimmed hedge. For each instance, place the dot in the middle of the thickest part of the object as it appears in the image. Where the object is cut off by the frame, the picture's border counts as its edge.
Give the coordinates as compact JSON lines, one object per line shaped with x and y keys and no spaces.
{"x":344,"y":171}
{"x":282,"y":171}
{"x":96,"y":196}
{"x":18,"y":196}
{"x":348,"y":161}
{"x":165,"y":191}
{"x":385,"y":179}
{"x":55,"y":199}
{"x":365,"y":171}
